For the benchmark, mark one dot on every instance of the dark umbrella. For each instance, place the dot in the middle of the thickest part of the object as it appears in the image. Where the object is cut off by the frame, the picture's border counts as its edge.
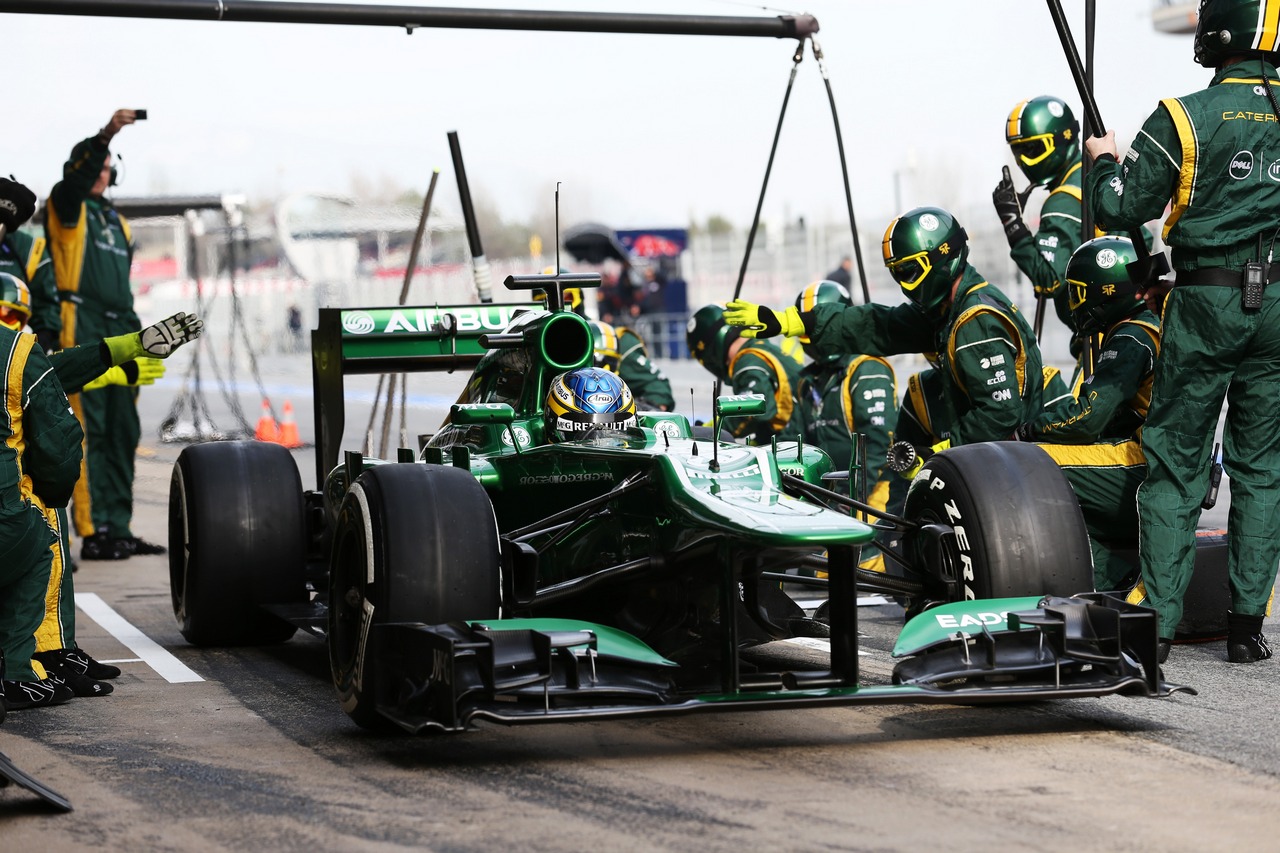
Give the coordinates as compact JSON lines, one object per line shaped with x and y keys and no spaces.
{"x":593,"y":243}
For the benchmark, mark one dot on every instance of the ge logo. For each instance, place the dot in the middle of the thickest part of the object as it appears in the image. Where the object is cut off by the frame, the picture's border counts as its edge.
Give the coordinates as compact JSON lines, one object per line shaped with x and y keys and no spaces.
{"x":1106,"y":259}
{"x":1054,"y":108}
{"x":668,"y":428}
{"x":1241,"y":165}
{"x":522,"y":436}
{"x":929,"y":222}
{"x":358,"y":322}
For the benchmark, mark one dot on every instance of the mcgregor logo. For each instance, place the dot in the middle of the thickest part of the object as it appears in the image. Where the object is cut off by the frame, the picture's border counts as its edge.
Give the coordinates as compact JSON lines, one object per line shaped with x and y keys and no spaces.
{"x":1241,"y":165}
{"x":358,"y":322}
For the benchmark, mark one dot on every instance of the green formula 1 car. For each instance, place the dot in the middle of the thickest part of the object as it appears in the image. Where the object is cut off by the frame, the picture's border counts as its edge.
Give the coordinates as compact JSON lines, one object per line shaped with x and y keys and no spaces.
{"x":499,"y":575}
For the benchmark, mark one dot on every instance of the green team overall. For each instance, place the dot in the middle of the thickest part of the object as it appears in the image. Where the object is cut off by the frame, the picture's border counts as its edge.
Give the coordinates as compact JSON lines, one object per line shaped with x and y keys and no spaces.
{"x":843,"y":396}
{"x":622,"y":351}
{"x":1094,"y":436}
{"x":39,"y":463}
{"x":1213,"y":155}
{"x":87,"y":367}
{"x":1044,"y":138}
{"x":988,"y":378}
{"x":91,"y":247}
{"x":749,"y":367}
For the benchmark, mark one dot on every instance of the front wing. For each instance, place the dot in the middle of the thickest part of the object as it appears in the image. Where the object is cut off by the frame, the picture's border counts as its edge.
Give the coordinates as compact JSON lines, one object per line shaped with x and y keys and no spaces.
{"x":448,"y":677}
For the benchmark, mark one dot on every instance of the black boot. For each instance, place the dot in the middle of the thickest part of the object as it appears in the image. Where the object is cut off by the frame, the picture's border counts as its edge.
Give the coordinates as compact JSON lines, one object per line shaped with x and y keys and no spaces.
{"x":1162,"y":650}
{"x":72,"y":667}
{"x":100,"y":546}
{"x":1245,"y":643}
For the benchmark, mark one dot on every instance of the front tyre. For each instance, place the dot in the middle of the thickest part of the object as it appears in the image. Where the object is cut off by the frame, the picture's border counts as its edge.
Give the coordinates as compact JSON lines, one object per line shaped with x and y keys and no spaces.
{"x":1018,"y":529}
{"x":412,"y":543}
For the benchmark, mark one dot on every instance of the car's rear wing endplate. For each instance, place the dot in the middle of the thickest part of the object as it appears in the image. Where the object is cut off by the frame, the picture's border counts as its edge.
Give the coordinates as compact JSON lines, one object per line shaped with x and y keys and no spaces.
{"x":403,"y":339}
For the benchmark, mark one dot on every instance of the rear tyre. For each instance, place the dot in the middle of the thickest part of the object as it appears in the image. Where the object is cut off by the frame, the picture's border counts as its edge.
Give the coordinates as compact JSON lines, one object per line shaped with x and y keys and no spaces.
{"x":1018,"y":526}
{"x":413,"y":543}
{"x":237,"y":540}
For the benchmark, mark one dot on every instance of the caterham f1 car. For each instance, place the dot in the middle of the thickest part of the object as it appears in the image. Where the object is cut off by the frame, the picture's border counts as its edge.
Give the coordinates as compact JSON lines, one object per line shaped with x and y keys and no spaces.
{"x":497,"y":574}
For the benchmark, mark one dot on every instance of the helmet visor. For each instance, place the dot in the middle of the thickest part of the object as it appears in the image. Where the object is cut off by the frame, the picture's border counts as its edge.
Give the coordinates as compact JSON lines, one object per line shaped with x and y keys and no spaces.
{"x":911,"y":270}
{"x":1031,"y":150}
{"x":1077,"y":292}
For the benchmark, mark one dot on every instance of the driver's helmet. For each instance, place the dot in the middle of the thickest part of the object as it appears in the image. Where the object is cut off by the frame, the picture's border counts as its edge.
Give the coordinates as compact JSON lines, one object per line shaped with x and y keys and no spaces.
{"x":821,"y":293}
{"x":587,"y":399}
{"x":1236,"y":28}
{"x":604,"y":341}
{"x":925,"y":250}
{"x":1044,"y":137}
{"x":1099,"y":291}
{"x":709,"y":338}
{"x":15,"y":301}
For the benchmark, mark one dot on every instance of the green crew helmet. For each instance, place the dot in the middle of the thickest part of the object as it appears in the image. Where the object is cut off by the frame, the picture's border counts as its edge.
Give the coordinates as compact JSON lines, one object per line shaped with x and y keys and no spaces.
{"x":1044,"y":137}
{"x":1099,"y":291}
{"x":1229,"y":28}
{"x":709,"y":338}
{"x":15,"y":300}
{"x":820,"y":293}
{"x":925,"y":250}
{"x":604,"y":338}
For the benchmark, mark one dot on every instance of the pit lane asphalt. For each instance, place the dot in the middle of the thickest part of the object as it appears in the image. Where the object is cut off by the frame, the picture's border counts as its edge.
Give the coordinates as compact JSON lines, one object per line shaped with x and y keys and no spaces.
{"x":258,"y":755}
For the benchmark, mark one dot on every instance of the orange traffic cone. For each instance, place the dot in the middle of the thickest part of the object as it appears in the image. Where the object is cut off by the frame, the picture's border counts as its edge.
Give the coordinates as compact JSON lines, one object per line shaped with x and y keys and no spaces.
{"x":288,"y":428}
{"x":267,"y":429}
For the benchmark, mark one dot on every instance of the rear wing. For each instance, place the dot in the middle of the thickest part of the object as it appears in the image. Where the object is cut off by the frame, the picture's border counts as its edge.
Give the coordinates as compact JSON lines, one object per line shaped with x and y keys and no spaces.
{"x":402,"y":339}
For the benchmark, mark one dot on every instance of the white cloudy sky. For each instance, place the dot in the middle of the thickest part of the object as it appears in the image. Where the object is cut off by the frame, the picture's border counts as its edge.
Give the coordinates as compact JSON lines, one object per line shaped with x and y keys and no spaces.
{"x":641,"y":130}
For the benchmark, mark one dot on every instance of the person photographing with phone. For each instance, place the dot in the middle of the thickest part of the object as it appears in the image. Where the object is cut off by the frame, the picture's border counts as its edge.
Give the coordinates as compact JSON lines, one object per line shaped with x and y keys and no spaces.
{"x":91,"y":246}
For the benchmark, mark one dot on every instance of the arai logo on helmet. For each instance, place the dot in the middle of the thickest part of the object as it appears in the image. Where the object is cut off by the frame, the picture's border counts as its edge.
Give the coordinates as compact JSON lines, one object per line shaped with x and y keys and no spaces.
{"x":358,"y":322}
{"x":929,"y":222}
{"x":1241,"y":165}
{"x":601,"y":399}
{"x":1107,"y":259}
{"x":1054,"y":108}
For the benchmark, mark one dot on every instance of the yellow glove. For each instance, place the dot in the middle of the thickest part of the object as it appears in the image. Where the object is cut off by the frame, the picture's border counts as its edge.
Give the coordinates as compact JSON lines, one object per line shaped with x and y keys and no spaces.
{"x":142,"y":371}
{"x":761,"y":322}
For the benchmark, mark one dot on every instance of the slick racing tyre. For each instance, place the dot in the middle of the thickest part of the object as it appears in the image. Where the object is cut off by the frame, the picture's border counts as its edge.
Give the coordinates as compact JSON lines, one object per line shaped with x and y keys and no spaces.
{"x":1001,"y":521}
{"x":237,"y":540}
{"x":413,"y":543}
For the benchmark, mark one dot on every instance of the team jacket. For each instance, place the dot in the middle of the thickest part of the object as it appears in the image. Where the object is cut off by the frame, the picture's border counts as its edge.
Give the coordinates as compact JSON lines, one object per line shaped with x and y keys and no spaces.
{"x":1113,"y":403}
{"x":986,"y":354}
{"x":1215,"y":155}
{"x":90,"y":245}
{"x":843,"y":396}
{"x":759,"y":367}
{"x":25,"y":256}
{"x":40,"y":439}
{"x":647,"y":383}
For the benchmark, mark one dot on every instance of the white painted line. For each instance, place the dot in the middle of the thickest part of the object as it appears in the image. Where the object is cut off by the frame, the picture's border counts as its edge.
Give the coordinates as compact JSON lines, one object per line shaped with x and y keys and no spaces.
{"x":814,"y":643}
{"x":148,"y":650}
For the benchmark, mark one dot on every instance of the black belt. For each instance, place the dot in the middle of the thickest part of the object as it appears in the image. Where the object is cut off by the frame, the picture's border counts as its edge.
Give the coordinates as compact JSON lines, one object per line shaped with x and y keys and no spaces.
{"x":1221,"y":276}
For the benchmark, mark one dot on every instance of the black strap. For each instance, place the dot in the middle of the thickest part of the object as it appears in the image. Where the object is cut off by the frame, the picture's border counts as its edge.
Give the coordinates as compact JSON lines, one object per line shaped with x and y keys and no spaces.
{"x":1221,"y":276}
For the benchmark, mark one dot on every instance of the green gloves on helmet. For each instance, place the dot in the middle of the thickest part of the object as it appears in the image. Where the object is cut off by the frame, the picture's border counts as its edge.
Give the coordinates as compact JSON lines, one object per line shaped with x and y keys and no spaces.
{"x":1229,"y":28}
{"x":925,"y":250}
{"x":1044,"y":137}
{"x":1099,"y":291}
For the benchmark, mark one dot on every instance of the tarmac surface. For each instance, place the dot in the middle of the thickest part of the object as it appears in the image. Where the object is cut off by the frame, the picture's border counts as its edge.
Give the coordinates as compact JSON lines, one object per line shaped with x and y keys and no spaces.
{"x":246,"y":748}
